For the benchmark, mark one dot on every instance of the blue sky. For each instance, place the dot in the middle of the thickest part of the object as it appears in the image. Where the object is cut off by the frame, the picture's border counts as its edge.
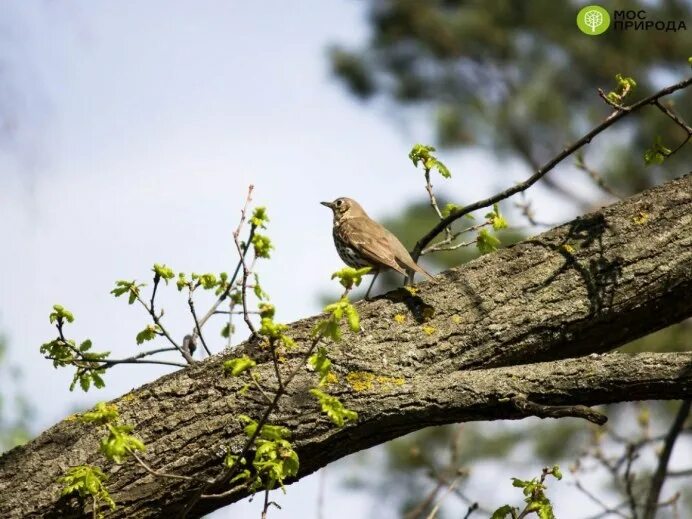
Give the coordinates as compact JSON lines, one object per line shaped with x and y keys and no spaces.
{"x":134,"y":130}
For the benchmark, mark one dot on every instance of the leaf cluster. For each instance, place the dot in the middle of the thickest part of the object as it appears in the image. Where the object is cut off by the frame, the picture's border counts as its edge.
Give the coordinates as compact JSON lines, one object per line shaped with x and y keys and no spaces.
{"x":421,"y":153}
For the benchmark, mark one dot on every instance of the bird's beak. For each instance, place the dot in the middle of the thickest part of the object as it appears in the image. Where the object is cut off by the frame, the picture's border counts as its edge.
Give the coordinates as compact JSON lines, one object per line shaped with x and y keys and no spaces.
{"x":328,"y":204}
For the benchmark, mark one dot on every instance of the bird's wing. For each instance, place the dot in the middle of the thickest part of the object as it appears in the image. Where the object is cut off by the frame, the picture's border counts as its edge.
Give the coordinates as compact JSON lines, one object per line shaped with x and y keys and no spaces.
{"x":402,"y":256}
{"x":371,"y":240}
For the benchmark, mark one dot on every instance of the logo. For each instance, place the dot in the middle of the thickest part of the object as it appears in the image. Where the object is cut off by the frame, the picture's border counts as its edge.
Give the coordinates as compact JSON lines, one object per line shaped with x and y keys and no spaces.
{"x":593,"y":20}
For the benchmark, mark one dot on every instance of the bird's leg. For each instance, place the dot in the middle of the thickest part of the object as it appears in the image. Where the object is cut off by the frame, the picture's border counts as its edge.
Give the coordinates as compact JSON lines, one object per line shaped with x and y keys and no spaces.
{"x":377,"y":273}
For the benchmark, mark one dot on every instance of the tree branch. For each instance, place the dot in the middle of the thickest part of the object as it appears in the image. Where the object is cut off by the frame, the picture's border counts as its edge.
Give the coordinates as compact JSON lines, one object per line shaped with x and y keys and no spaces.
{"x":527,"y":321}
{"x":569,"y":150}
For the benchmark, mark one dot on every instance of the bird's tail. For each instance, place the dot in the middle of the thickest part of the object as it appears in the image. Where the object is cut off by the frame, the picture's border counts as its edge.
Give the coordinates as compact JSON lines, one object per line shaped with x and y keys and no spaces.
{"x":421,"y":270}
{"x":417,"y":268}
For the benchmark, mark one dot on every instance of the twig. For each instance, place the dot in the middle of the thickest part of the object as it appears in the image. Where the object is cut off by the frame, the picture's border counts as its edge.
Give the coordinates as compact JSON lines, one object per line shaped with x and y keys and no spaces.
{"x":232,"y":280}
{"x":679,"y":473}
{"x":566,"y":152}
{"x":592,"y":497}
{"x":243,"y":289}
{"x":158,"y":473}
{"x":267,"y":504}
{"x":472,"y":508}
{"x":629,"y":479}
{"x":436,"y":508}
{"x":598,"y":179}
{"x":433,"y":202}
{"x":191,"y":303}
{"x":421,"y":507}
{"x":660,"y":474}
{"x":157,"y":320}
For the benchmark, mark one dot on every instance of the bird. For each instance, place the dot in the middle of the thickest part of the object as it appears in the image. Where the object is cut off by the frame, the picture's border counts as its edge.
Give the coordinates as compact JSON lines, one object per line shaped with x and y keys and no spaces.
{"x":362,"y":242}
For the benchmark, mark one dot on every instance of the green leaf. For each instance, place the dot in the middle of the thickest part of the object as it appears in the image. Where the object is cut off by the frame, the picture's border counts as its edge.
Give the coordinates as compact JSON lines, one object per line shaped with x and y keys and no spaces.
{"x":267,"y":310}
{"x":102,"y":413}
{"x":127,"y":287}
{"x":164,"y":272}
{"x":149,"y":333}
{"x":625,"y":85}
{"x":328,"y":328}
{"x":555,"y":471}
{"x":333,"y":408}
{"x":120,"y":443}
{"x":520,"y":483}
{"x":182,"y":281}
{"x":235,"y":367}
{"x":421,"y":153}
{"x":320,"y":363}
{"x":657,"y":154}
{"x":350,"y":277}
{"x":503,"y":512}
{"x":262,"y":245}
{"x":259,"y":293}
{"x":352,"y":317}
{"x":60,"y":313}
{"x":275,"y":461}
{"x":259,"y":217}
{"x":486,"y":242}
{"x":227,"y":329}
{"x":86,"y":480}
{"x":449,"y":208}
{"x":207,"y":281}
{"x":268,"y":432}
{"x":496,"y":219}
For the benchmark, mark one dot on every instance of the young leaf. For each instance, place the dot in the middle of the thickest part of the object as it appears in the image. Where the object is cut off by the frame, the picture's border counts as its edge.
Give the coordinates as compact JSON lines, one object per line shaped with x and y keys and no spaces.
{"x":86,"y":480}
{"x":120,"y":443}
{"x":259,"y":218}
{"x":486,"y":242}
{"x":60,"y":313}
{"x":350,"y":277}
{"x":102,"y":413}
{"x":235,"y":367}
{"x":164,"y":272}
{"x":320,"y":363}
{"x":333,"y":408}
{"x":503,"y":512}
{"x":262,"y":245}
{"x":149,"y":333}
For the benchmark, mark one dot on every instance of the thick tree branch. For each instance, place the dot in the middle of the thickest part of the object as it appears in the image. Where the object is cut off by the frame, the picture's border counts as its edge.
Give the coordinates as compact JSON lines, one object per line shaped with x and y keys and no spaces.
{"x":500,"y":330}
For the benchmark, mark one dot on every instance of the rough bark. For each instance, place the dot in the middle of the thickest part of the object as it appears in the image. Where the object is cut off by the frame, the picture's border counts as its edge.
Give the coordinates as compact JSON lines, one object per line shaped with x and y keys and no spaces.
{"x":494,"y":339}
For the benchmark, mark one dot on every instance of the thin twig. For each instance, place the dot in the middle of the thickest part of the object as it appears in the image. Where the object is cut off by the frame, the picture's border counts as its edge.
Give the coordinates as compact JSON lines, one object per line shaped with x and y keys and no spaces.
{"x":232,"y":280}
{"x":157,"y":320}
{"x":160,"y":474}
{"x":566,"y":152}
{"x":191,"y":304}
{"x":660,"y":475}
{"x":595,"y":176}
{"x":436,"y":508}
{"x":629,"y":480}
{"x":243,"y":288}
{"x":592,"y":497}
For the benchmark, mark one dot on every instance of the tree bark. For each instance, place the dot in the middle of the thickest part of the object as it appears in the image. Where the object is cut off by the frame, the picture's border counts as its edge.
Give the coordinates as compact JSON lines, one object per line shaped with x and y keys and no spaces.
{"x":513,"y":334}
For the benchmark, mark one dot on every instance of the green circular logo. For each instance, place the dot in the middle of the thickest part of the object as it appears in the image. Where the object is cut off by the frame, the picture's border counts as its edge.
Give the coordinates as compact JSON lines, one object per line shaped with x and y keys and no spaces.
{"x":593,"y":20}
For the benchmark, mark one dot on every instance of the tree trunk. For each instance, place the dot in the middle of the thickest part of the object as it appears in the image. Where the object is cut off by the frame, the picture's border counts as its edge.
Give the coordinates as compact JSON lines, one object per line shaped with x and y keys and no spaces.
{"x":494,"y":339}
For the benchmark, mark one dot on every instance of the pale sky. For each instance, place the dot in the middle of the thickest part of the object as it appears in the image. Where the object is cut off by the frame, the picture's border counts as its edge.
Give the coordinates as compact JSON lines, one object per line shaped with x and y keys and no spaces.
{"x":136,"y":128}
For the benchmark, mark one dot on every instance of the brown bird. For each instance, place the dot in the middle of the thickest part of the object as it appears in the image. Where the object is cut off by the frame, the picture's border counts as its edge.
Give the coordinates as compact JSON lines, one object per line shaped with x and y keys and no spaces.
{"x":362,"y":242}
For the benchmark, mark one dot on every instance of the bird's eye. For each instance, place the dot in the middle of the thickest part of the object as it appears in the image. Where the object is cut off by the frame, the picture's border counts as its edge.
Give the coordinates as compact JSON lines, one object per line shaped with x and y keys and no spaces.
{"x":339,"y":202}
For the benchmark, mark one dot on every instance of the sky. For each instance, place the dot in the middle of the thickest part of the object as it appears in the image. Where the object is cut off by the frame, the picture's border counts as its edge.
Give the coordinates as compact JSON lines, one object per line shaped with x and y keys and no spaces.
{"x":132,"y":133}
